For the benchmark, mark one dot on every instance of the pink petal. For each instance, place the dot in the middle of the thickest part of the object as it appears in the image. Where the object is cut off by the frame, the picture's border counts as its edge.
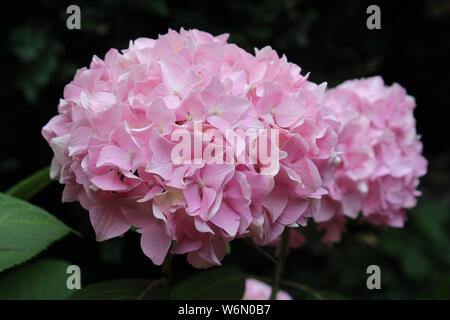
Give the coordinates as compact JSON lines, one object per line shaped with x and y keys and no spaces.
{"x":294,"y":209}
{"x":109,"y":181}
{"x":351,"y":204}
{"x":155,"y":242}
{"x":107,"y":220}
{"x":208,"y":198}
{"x":185,"y":246}
{"x":192,"y":196}
{"x":215,"y":175}
{"x":227,"y":219}
{"x":309,"y":175}
{"x":173,"y":75}
{"x":288,"y":111}
{"x":155,"y":190}
{"x":231,"y":108}
{"x":326,"y":211}
{"x":162,"y":116}
{"x":115,"y":156}
{"x":276,"y":202}
{"x":161,"y":147}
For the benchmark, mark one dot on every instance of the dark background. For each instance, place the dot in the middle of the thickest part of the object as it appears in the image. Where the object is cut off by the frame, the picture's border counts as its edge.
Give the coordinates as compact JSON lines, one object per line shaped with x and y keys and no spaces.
{"x":327,"y":38}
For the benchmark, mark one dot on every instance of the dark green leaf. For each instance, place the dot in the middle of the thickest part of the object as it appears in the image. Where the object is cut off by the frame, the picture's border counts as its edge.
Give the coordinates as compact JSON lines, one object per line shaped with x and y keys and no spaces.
{"x":324,"y":295}
{"x":124,"y":289}
{"x":27,"y":43}
{"x":415,"y":263}
{"x":30,"y":186}
{"x":394,"y":242}
{"x":25,"y":230}
{"x":43,"y":280}
{"x":218,"y":283}
{"x":428,"y":218}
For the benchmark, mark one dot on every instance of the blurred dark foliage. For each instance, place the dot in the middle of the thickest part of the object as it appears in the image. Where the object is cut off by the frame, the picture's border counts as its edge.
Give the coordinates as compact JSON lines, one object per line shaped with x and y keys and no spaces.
{"x":329,"y":38}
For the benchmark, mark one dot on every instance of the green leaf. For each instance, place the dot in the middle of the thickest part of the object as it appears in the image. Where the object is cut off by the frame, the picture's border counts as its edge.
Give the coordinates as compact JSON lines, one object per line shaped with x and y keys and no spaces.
{"x":160,"y":7}
{"x":124,"y":289}
{"x":27,"y":43}
{"x":325,"y":295}
{"x":395,"y":242}
{"x":25,"y":230}
{"x":429,"y":219}
{"x":416,"y":264}
{"x":30,"y":186}
{"x":219,"y":283}
{"x":43,"y":280}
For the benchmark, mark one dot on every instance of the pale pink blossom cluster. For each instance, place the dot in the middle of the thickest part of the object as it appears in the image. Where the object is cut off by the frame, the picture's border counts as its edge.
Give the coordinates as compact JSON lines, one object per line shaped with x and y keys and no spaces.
{"x":380,"y":156}
{"x":112,"y":143}
{"x":114,"y":135}
{"x":258,"y":290}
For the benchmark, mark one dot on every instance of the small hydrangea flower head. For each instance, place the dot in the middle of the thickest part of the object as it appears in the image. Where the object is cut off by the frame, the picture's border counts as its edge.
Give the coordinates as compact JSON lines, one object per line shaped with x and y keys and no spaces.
{"x":258,"y":290}
{"x":380,"y":156}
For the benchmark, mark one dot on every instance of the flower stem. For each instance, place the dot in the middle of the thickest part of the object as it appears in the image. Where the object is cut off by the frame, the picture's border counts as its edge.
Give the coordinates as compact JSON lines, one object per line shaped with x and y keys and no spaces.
{"x":261,"y":250}
{"x":167,"y":268}
{"x":281,"y":262}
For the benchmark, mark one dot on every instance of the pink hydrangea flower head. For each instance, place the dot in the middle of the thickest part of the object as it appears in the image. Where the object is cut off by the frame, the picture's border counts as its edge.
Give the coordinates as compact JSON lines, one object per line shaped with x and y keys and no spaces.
{"x":119,"y":125}
{"x":379,"y":156}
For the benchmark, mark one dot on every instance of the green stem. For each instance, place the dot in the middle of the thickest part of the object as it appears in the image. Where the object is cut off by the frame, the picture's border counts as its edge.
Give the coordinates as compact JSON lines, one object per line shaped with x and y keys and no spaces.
{"x":167,"y":267}
{"x":261,"y":250}
{"x":280,"y":266}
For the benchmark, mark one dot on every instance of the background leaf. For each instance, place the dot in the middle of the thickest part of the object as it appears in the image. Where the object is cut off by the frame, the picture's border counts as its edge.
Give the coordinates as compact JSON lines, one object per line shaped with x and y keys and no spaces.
{"x":433,"y":229}
{"x":124,"y":289}
{"x":25,"y":230}
{"x":218,"y":283}
{"x":43,"y":280}
{"x":27,"y":188}
{"x":325,"y":295}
